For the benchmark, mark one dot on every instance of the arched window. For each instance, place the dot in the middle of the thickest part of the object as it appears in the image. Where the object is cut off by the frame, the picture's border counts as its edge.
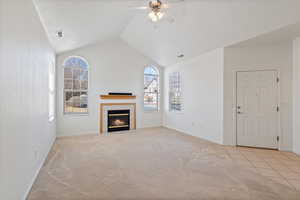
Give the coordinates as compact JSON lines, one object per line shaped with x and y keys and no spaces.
{"x":76,"y":85}
{"x":151,"y":89}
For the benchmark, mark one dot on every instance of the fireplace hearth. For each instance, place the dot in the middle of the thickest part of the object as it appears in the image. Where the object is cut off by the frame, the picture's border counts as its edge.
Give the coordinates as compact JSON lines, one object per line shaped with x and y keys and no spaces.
{"x":118,"y":120}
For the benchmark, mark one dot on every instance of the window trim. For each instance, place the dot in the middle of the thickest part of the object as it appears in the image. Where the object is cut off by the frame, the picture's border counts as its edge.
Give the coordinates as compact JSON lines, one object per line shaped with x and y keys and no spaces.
{"x":159,"y":89}
{"x":63,"y":88}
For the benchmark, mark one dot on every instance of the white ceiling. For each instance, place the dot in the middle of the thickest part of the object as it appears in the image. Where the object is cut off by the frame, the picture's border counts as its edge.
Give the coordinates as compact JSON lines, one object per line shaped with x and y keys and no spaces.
{"x":190,"y":28}
{"x":82,"y":21}
{"x":277,"y":37}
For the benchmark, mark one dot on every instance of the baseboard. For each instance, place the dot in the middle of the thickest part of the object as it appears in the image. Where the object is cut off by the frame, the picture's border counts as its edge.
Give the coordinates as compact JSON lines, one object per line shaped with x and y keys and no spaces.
{"x":38,"y":170}
{"x":63,"y":135}
{"x":92,"y":132}
{"x":296,"y":152}
{"x":286,"y":149}
{"x":190,"y":134}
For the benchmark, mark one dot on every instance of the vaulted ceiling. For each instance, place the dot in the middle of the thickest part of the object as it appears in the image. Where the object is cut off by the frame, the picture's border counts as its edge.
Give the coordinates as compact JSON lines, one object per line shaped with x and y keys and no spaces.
{"x":190,"y":27}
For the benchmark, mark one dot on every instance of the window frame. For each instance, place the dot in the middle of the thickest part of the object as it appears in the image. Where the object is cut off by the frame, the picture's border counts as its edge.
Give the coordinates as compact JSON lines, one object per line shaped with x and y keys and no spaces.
{"x":181,"y":92}
{"x":52,"y":92}
{"x":72,"y":90}
{"x":157,"y":109}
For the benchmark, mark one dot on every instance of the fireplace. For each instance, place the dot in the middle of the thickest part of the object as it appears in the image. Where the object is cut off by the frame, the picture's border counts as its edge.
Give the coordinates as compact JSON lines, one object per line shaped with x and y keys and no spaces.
{"x":118,"y":120}
{"x":106,"y":121}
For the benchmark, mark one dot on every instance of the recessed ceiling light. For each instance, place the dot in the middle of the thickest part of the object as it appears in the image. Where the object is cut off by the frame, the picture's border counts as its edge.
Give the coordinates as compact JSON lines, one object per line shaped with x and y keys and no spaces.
{"x":180,"y":56}
{"x":60,"y":34}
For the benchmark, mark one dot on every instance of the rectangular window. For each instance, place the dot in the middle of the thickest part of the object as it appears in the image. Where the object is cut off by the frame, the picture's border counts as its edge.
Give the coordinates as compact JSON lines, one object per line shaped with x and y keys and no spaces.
{"x":175,"y":93}
{"x":51,"y":92}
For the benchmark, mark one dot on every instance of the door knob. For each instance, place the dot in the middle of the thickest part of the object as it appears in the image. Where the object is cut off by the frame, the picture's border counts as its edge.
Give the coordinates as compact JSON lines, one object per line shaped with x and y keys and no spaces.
{"x":239,"y":112}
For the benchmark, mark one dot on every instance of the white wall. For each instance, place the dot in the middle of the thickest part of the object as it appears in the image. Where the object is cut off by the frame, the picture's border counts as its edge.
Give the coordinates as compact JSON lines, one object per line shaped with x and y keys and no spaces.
{"x":202,"y":115}
{"x":296,"y":97}
{"x":114,"y":67}
{"x":26,"y":134}
{"x":259,"y":58}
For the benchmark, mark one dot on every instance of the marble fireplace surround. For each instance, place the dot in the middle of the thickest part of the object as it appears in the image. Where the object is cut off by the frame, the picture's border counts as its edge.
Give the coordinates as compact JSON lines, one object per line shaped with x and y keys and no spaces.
{"x":105,"y":107}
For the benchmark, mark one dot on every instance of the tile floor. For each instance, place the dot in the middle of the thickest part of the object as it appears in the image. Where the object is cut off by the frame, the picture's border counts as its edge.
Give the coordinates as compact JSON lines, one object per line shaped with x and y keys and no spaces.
{"x":281,"y":167}
{"x":160,"y":163}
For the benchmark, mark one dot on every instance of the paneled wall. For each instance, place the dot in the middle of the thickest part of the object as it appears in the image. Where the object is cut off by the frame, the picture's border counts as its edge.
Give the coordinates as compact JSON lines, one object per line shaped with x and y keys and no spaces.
{"x":26,"y":135}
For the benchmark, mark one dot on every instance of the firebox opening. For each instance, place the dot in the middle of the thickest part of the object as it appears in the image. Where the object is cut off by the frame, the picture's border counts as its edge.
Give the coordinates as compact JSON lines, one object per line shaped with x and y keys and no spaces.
{"x":118,"y":120}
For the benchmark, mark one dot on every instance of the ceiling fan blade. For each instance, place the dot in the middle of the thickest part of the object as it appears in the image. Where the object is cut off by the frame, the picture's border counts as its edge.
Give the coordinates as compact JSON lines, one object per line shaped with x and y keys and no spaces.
{"x":165,"y":6}
{"x":139,"y":8}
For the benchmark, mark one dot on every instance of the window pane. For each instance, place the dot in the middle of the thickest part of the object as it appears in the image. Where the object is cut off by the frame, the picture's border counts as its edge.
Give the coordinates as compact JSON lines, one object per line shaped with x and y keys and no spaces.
{"x":68,"y":73}
{"x":151,"y":101}
{"x":175,"y":101}
{"x":84,"y":85}
{"x":76,"y":102}
{"x":75,"y":62}
{"x":151,"y":83}
{"x":148,"y":80}
{"x":150,"y":70}
{"x":68,"y":96}
{"x":76,"y":99}
{"x":84,"y":102}
{"x":68,"y":102}
{"x":76,"y":84}
{"x":84,"y":75}
{"x":68,"y":84}
{"x":68,"y":107}
{"x":76,"y":73}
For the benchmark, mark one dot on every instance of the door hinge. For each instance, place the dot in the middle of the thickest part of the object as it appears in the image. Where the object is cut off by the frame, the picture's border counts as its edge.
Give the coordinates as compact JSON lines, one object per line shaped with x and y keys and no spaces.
{"x":277,"y":138}
{"x":277,"y":79}
{"x":277,"y":109}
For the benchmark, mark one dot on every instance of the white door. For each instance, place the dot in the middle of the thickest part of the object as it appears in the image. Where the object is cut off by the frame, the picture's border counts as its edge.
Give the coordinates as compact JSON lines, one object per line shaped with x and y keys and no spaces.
{"x":257,"y":114}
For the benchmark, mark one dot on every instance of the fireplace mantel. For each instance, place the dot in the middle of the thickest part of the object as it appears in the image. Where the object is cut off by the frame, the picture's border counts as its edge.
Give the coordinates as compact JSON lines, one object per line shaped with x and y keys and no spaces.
{"x":117,"y":97}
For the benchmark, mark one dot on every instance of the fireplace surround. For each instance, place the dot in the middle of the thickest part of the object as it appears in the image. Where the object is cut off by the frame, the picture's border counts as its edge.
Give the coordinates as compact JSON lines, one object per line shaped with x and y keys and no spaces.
{"x":118,"y":114}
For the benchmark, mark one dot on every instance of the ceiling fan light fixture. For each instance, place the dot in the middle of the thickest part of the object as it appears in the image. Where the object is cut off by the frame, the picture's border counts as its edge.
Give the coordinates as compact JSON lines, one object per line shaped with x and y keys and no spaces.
{"x":180,"y":56}
{"x":156,"y":16}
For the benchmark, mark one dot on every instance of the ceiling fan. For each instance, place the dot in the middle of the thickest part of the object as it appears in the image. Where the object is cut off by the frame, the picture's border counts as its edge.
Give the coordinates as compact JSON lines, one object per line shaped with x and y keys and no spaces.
{"x":157,"y":9}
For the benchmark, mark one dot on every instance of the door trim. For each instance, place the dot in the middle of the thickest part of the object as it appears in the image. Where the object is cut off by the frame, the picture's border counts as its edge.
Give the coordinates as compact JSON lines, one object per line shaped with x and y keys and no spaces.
{"x":279,"y":133}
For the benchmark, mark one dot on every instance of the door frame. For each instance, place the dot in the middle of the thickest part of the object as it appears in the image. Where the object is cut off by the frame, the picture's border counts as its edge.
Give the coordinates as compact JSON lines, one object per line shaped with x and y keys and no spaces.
{"x":279,"y":132}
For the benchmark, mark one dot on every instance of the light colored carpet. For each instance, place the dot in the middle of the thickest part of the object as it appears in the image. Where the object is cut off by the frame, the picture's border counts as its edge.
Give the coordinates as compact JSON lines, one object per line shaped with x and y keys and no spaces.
{"x":161,"y":164}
